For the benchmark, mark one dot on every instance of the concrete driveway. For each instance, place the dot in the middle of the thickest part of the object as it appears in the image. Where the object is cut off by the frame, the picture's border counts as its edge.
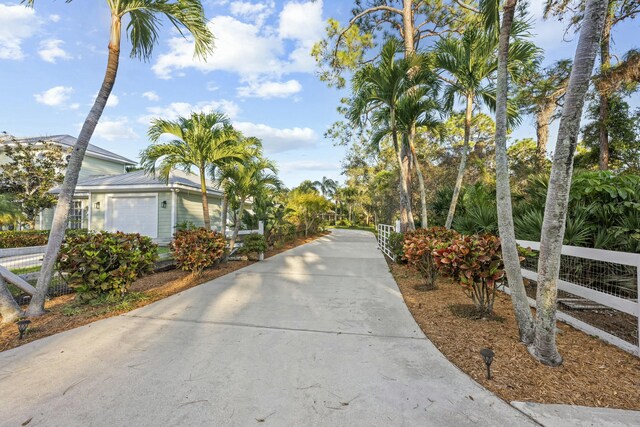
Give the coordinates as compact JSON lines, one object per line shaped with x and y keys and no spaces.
{"x":318,"y":335}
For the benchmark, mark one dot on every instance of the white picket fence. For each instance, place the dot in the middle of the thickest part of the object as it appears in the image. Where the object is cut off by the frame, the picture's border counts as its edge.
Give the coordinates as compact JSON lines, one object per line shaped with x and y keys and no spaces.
{"x":615,"y":297}
{"x":384,"y":234}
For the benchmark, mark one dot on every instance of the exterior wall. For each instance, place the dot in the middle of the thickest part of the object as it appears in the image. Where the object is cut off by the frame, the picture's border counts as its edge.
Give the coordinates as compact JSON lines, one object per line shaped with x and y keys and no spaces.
{"x":45,"y":218}
{"x":190,"y":209}
{"x":97,"y":215}
{"x":95,"y":166}
{"x":164,"y":215}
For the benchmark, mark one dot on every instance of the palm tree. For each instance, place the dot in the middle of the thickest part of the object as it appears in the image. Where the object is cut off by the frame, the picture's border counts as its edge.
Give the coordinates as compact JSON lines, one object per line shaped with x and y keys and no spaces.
{"x":415,"y":110}
{"x":326,"y":186}
{"x":544,"y":347}
{"x":204,"y":141}
{"x":242,"y":181}
{"x":381,"y":86}
{"x":142,"y":30}
{"x":470,"y":61}
{"x":503,"y":190}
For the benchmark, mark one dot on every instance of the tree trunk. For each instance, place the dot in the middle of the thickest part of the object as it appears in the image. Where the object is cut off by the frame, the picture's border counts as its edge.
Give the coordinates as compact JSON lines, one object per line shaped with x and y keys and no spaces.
{"x":543,"y":118}
{"x":503,"y":190}
{"x":544,"y":347}
{"x":225,"y":209}
{"x":463,"y":161}
{"x":9,"y":308}
{"x":423,"y":194}
{"x":407,"y":27}
{"x":236,"y":226}
{"x":205,"y":200}
{"x":61,"y":215}
{"x":603,"y":108}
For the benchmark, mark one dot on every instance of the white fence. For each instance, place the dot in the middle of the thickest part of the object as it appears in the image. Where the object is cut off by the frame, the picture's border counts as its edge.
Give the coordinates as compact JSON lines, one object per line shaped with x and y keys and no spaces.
{"x":384,"y":234}
{"x":609,"y":278}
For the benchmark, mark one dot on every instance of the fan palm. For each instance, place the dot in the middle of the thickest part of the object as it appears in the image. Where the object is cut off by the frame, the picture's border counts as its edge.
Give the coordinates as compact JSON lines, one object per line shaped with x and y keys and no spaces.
{"x":469,"y":62}
{"x":142,"y":30}
{"x":242,"y":181}
{"x":203,"y":141}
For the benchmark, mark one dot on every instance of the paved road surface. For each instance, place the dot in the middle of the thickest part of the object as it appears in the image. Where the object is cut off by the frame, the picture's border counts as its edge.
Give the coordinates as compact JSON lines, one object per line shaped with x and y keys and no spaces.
{"x":317,"y":336}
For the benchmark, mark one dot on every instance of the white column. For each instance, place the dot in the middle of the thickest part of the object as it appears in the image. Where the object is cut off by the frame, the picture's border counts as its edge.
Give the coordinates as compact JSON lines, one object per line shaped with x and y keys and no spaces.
{"x":398,"y":227}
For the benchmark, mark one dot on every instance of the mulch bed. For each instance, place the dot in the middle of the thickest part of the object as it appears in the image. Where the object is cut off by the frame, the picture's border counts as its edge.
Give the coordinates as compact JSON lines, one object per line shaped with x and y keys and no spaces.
{"x":63,"y":314}
{"x":594,"y":373}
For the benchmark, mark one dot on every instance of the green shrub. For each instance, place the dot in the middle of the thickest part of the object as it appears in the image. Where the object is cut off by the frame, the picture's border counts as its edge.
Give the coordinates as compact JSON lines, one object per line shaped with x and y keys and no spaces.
{"x":197,"y":249}
{"x":476,"y":263}
{"x":26,"y":238}
{"x":23,"y":238}
{"x":105,"y":263}
{"x":396,"y":243}
{"x":253,"y":244}
{"x":345,"y":223}
{"x":419,"y":246}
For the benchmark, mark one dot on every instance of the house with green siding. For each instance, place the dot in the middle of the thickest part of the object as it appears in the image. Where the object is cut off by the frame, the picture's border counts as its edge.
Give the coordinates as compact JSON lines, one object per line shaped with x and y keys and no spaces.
{"x":108,"y":198}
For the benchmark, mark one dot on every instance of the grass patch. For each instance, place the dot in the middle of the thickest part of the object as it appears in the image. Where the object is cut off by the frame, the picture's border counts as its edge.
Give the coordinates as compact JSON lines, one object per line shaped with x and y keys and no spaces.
{"x":163,"y":250}
{"x":25,"y":270}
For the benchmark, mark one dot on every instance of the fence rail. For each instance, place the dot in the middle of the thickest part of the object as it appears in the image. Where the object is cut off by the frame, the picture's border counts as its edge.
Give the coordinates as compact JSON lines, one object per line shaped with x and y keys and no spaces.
{"x":384,"y":234}
{"x":608,"y":278}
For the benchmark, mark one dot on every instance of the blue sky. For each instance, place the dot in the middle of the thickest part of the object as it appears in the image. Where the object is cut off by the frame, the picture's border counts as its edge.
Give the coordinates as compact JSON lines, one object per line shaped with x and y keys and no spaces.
{"x":52,"y":61}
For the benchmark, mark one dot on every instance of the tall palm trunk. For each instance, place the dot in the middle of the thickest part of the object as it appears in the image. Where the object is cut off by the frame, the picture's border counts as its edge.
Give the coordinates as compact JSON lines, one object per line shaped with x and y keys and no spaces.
{"x":544,"y":347}
{"x":205,"y":200}
{"x":236,"y":226}
{"x":503,"y":190}
{"x":463,"y":161}
{"x":60,"y":218}
{"x":423,"y":194}
{"x":408,"y":27}
{"x":225,"y":209}
{"x":9,"y":309}
{"x":603,"y":108}
{"x":404,"y":160}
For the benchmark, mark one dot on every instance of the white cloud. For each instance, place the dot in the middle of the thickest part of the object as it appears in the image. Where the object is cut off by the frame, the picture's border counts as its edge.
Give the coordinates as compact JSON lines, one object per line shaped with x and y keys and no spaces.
{"x":117,"y":129}
{"x":113,"y":100}
{"x":151,"y":96}
{"x":270,"y":89}
{"x":308,"y":165}
{"x":51,"y":49}
{"x":74,"y":106}
{"x":275,"y":140}
{"x":55,"y":96}
{"x":255,"y":12}
{"x":184,"y":109}
{"x":54,"y":18}
{"x":252,"y":50}
{"x":17,"y":23}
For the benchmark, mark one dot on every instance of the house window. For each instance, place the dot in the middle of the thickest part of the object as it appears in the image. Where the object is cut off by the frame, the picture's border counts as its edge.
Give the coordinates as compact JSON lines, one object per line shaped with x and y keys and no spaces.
{"x":76,"y":215}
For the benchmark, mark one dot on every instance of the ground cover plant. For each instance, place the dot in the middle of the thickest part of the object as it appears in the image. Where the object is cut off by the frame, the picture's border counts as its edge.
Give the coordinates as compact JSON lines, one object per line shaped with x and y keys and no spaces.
{"x":105,"y":264}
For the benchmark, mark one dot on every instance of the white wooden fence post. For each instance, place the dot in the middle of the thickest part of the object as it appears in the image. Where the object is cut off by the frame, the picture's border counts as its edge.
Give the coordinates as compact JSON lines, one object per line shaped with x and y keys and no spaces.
{"x":398,"y":227}
{"x":261,"y":232}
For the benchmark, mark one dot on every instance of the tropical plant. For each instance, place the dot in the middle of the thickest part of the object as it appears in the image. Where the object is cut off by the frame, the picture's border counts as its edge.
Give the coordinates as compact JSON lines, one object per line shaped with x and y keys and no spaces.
{"x":380,"y":87}
{"x":197,"y":248}
{"x":306,"y":210}
{"x":143,"y":31}
{"x":467,"y":64}
{"x":105,"y":263}
{"x":253,"y":244}
{"x":326,"y":186}
{"x":203,"y":140}
{"x":419,"y":246}
{"x":241,"y":181}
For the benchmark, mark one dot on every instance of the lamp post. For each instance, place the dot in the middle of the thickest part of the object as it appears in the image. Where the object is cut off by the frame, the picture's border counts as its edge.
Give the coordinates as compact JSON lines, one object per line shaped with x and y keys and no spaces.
{"x":22,"y":326}
{"x":487,"y":355}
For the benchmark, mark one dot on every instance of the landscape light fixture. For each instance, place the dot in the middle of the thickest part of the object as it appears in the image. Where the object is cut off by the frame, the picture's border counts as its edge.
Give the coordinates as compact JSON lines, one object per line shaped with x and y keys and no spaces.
{"x":22,"y":326}
{"x":487,"y":354}
{"x":164,"y":204}
{"x":97,"y":205}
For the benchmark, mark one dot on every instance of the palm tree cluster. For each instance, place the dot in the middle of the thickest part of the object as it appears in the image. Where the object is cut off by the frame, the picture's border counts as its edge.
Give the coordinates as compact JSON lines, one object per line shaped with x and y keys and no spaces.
{"x":480,"y":59}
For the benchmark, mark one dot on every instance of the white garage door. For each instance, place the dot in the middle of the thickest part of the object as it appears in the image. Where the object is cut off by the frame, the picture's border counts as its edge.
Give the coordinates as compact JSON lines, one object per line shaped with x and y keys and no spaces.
{"x":133,"y":215}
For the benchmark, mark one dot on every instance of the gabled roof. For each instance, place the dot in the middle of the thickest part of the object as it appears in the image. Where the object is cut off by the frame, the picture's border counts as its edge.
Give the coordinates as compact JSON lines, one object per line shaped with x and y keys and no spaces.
{"x":70,"y":141}
{"x":141,"y":180}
